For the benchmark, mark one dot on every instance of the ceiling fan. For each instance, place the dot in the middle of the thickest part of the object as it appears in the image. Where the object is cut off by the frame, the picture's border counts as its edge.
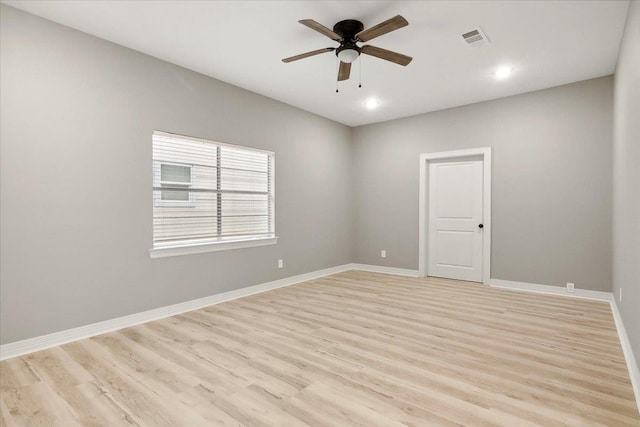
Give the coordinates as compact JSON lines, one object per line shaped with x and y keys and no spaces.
{"x":349,"y":33}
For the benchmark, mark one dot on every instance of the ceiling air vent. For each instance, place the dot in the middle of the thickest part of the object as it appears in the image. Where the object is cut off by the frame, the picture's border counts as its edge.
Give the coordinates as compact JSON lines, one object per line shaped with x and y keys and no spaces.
{"x":475,"y":38}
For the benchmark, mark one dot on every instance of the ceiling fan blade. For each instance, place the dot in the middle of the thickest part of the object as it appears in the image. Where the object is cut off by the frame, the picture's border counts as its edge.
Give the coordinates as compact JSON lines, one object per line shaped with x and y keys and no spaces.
{"x":388,"y":55}
{"x":320,"y":28}
{"x":308,"y":54}
{"x":344,"y":71}
{"x":382,"y":28}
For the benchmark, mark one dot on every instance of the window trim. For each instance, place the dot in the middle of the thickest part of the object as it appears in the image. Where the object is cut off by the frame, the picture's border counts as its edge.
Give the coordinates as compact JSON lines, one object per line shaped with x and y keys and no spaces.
{"x":211,"y":246}
{"x":222,"y":243}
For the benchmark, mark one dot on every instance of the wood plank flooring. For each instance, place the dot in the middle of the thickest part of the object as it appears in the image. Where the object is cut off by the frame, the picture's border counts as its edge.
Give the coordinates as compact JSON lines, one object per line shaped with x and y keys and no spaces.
{"x":352,"y":349}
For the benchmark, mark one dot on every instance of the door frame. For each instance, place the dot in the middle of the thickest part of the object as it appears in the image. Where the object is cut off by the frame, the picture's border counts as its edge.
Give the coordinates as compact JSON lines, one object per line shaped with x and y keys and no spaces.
{"x":423,"y":226}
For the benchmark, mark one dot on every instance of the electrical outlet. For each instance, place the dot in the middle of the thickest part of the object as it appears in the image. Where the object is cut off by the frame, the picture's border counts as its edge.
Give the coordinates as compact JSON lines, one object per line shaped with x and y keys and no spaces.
{"x":570,"y":287}
{"x":620,"y":294}
{"x":383,"y":254}
{"x":280,"y":263}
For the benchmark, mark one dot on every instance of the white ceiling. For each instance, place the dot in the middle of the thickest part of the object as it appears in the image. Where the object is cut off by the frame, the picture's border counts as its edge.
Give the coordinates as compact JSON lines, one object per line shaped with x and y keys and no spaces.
{"x":548,"y":43}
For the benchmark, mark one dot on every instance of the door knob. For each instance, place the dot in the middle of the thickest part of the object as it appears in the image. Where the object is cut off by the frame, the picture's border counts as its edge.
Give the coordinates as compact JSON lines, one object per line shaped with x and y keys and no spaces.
{"x":480,"y":225}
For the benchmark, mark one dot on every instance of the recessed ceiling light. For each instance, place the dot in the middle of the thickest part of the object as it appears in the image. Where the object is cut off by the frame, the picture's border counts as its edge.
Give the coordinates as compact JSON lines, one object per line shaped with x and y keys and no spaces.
{"x":503,"y":72}
{"x":371,"y":103}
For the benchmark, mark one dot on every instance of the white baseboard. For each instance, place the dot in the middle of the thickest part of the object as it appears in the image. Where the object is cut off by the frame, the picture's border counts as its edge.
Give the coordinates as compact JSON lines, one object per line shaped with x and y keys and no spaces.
{"x":30,"y":345}
{"x":383,"y":269}
{"x":632,"y":365}
{"x":551,"y":290}
{"x":43,"y":342}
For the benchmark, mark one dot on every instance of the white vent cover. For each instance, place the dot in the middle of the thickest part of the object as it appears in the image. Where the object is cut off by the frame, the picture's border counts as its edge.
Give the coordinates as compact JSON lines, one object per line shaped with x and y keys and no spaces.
{"x":475,"y":38}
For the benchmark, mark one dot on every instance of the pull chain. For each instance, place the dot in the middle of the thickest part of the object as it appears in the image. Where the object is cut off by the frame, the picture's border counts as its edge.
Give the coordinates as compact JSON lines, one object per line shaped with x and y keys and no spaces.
{"x":360,"y":70}
{"x":338,"y":69}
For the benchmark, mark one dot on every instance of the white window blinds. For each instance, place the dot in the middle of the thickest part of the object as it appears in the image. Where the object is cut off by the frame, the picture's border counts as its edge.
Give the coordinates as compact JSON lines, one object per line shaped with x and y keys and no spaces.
{"x":208,"y":192}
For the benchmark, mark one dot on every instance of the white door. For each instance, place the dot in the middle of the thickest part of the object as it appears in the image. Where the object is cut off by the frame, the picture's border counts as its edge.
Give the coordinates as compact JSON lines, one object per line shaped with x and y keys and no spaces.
{"x":455,"y":220}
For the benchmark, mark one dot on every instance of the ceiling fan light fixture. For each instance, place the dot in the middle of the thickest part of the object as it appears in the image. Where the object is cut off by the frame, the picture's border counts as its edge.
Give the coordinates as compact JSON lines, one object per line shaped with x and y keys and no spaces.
{"x":348,"y":55}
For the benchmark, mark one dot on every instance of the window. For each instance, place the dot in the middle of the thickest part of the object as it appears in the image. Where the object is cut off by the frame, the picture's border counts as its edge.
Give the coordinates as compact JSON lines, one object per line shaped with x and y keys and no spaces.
{"x":210,"y":196}
{"x":173,"y":176}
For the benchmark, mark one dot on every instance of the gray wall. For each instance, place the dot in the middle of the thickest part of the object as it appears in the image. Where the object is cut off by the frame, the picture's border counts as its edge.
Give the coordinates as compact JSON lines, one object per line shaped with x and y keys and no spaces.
{"x":551,"y":199}
{"x":77,"y":114}
{"x":626,"y":179}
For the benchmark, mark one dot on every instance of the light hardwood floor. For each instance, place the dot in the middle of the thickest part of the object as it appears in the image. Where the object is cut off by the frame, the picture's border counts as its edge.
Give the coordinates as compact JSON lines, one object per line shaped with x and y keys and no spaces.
{"x":352,"y":349}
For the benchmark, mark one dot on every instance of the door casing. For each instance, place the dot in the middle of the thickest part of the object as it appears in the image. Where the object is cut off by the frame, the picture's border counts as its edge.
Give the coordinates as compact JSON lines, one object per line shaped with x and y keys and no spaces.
{"x":483,"y":153}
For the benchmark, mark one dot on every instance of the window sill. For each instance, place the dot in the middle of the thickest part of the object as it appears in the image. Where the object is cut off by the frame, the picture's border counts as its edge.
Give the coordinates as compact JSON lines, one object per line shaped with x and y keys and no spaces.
{"x":210,"y":247}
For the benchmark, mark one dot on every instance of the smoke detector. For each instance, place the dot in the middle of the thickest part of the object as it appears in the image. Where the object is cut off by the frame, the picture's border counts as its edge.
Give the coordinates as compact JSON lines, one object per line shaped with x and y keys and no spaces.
{"x":475,"y":38}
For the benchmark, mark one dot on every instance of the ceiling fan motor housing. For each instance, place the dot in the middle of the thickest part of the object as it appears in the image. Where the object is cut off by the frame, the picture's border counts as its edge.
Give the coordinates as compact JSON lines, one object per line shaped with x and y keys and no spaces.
{"x":348,"y":29}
